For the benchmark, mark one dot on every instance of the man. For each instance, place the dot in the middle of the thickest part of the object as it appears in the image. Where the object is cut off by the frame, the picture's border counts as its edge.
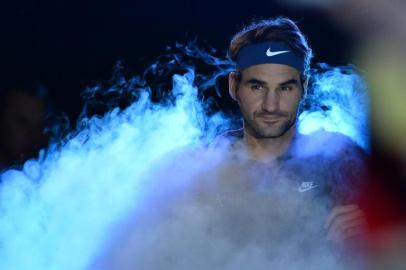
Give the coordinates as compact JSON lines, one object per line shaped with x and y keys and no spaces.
{"x":272,"y":61}
{"x":258,"y":197}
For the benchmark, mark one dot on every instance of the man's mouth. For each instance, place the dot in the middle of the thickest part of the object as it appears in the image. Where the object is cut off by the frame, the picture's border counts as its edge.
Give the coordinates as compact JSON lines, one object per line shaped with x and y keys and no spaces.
{"x":270,"y":119}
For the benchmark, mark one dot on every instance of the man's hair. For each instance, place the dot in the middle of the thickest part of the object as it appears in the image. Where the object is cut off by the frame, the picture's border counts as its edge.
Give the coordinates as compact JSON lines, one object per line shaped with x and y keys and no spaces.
{"x":280,"y":29}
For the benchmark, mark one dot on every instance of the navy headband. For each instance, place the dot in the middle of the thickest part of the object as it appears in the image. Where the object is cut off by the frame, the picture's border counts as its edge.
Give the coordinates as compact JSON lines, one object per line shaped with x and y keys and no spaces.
{"x":268,"y":53}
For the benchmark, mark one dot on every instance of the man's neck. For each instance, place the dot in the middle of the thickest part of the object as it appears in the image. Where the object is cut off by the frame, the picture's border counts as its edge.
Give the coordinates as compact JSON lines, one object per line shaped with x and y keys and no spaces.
{"x":267,"y":149}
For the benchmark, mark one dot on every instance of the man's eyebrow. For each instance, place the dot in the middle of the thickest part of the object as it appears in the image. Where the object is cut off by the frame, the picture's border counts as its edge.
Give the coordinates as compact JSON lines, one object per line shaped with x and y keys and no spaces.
{"x":255,"y":81}
{"x":290,"y":81}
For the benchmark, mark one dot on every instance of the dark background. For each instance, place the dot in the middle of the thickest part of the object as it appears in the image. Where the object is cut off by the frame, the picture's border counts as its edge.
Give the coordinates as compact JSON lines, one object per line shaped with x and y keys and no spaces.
{"x":67,"y":45}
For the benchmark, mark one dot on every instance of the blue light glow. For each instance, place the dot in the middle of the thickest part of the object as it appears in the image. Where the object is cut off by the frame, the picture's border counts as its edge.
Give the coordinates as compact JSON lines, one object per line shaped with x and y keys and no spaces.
{"x":58,"y":212}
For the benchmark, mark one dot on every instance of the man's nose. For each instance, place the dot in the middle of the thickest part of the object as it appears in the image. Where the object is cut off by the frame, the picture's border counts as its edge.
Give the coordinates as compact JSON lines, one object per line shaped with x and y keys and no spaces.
{"x":270,"y":101}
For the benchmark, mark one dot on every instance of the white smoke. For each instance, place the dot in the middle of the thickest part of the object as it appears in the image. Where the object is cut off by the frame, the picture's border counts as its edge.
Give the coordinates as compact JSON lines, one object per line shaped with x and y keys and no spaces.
{"x":137,"y":189}
{"x":57,"y":211}
{"x":343,"y":93}
{"x":222,"y":226}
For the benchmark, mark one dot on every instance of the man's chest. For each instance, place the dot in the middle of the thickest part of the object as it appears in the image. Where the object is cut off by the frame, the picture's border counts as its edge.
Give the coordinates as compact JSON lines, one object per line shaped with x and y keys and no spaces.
{"x":292,"y":179}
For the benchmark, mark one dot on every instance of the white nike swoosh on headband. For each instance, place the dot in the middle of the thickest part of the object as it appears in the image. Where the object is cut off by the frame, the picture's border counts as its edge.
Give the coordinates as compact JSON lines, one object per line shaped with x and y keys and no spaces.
{"x":269,"y":53}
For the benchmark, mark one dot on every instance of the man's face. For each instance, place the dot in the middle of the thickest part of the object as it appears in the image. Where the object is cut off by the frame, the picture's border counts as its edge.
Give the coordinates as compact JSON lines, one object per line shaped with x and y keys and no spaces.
{"x":269,"y":97}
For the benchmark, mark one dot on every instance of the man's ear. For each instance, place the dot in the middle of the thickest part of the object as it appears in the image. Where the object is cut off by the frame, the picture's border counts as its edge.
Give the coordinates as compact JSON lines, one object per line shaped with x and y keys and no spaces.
{"x":305,"y":85}
{"x":233,"y":81}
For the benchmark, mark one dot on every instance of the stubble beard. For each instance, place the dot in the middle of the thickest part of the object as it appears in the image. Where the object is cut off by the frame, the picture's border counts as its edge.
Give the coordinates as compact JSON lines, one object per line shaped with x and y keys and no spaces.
{"x":272,"y":131}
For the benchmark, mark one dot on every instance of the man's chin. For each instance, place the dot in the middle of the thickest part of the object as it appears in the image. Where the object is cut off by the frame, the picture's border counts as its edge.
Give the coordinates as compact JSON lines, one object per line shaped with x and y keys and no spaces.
{"x":271,"y":133}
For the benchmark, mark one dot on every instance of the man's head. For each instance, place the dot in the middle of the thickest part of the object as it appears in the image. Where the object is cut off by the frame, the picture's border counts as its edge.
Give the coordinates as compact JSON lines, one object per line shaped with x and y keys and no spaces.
{"x":272,"y":65}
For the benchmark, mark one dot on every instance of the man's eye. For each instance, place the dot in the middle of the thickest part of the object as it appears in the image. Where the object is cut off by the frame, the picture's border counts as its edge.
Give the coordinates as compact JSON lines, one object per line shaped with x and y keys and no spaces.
{"x":257,"y":87}
{"x":286,"y":88}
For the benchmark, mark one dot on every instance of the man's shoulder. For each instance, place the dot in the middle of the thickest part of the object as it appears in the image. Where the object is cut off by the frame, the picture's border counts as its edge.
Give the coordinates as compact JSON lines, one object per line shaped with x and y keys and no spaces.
{"x":328,"y":144}
{"x":345,"y":161}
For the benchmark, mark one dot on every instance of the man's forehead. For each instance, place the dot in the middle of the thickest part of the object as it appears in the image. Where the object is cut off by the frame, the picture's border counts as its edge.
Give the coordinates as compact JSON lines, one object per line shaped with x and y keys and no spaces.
{"x":270,"y":71}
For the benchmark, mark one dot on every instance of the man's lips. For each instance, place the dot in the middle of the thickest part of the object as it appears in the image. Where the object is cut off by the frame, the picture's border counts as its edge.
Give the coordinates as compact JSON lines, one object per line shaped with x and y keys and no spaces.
{"x":270,"y":119}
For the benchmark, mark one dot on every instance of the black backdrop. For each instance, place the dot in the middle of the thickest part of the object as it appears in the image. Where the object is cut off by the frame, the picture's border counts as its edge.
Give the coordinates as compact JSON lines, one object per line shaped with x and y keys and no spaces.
{"x":68,"y":45}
